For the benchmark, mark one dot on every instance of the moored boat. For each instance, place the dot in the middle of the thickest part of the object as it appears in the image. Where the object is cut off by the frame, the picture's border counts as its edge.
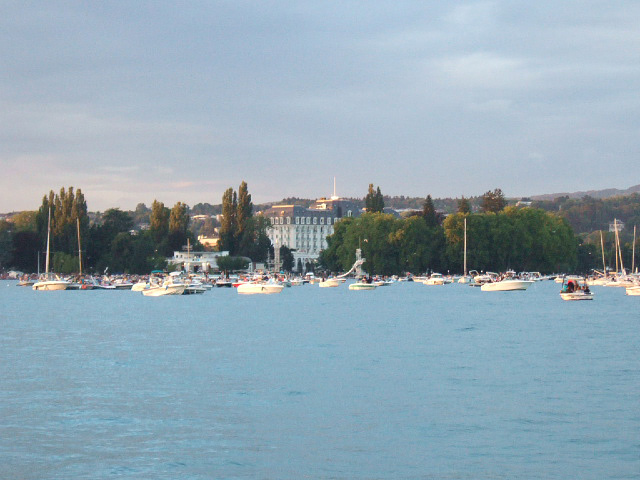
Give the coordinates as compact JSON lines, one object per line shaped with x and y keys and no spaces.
{"x":330,"y":282}
{"x":362,"y":286}
{"x":633,"y":291}
{"x":50,"y":284}
{"x":434,"y":279}
{"x":574,"y":288}
{"x":165,"y":289}
{"x":260,"y":288}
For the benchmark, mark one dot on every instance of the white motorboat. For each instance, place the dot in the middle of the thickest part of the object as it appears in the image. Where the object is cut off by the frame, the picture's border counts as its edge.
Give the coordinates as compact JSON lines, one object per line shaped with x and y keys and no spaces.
{"x":267,"y":288}
{"x":164,"y":289}
{"x":330,"y":282}
{"x":575,"y":288}
{"x":578,"y":295}
{"x":434,"y":279}
{"x":634,"y":291}
{"x":140,"y":286}
{"x":506,"y":285}
{"x":170,"y":286}
{"x":51,"y":284}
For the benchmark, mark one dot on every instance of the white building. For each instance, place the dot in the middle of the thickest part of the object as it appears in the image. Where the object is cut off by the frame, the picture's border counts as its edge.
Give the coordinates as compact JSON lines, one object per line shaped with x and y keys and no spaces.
{"x":196,"y":261}
{"x":305,"y":230}
{"x":612,"y":226}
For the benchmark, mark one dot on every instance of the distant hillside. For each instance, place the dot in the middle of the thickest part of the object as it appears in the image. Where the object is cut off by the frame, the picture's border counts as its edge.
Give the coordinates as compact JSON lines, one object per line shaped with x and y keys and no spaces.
{"x":607,"y":193}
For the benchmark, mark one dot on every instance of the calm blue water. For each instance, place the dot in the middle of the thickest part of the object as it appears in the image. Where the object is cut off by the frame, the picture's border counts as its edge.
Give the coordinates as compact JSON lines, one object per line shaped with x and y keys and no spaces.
{"x":407,"y":381}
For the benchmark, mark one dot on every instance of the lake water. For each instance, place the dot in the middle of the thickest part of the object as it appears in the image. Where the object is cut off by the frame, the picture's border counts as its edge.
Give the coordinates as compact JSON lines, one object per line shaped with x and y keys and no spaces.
{"x":404,"y":382}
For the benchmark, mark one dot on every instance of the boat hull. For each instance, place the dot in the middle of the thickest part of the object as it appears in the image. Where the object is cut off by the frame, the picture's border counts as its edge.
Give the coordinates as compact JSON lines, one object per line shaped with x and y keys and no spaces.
{"x":51,"y":285}
{"x":506,"y":286}
{"x":572,"y":296}
{"x":634,"y":291}
{"x":164,"y":290}
{"x":259,"y":288}
{"x":362,"y":286}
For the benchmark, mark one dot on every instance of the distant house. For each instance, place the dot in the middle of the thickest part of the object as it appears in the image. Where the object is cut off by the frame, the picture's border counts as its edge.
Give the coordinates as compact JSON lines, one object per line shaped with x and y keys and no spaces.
{"x":196,"y":261}
{"x":612,"y":226}
{"x":209,"y":242}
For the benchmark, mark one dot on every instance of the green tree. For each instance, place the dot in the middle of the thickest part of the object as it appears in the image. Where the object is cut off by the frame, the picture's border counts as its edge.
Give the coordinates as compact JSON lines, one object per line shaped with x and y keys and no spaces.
{"x":244,"y":235}
{"x":159,"y":221}
{"x":178,"y":226}
{"x":66,"y":208}
{"x":286,"y":257}
{"x":231,"y":264}
{"x":374,"y":201}
{"x":228,"y":225}
{"x":464,"y":205}
{"x":24,"y":221}
{"x":429,"y":212}
{"x":26,"y":245}
{"x":6,"y":244}
{"x":493,"y":201}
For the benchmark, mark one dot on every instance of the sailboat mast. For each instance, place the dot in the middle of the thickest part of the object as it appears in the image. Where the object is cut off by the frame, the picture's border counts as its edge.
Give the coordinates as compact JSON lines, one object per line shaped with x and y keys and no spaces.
{"x":48,"y":241}
{"x":619,"y":249}
{"x":615,"y":227}
{"x":465,"y":246}
{"x":633,"y":251}
{"x":604,"y":264}
{"x":79,"y":248}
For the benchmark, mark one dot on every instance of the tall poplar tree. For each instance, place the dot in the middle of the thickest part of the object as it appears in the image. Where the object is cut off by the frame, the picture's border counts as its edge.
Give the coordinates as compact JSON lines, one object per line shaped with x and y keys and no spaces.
{"x":244,"y":212}
{"x":178,"y":225}
{"x":159,"y":220}
{"x":228,"y":225}
{"x":374,"y":201}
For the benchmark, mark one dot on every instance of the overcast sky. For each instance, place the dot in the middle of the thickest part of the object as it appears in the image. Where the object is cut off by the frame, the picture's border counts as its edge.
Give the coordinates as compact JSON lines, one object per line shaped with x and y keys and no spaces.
{"x":133,"y":100}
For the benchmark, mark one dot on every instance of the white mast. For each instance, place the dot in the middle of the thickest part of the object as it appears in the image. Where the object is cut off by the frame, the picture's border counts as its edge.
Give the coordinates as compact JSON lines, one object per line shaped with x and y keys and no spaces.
{"x":465,"y":246}
{"x":633,"y":251}
{"x":604,"y":265}
{"x":48,"y":240}
{"x":619,"y":247}
{"x":79,"y":247}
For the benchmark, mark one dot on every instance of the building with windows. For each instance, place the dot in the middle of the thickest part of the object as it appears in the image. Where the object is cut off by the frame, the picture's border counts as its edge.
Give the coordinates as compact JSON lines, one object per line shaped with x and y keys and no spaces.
{"x":196,"y":261}
{"x":616,"y":225}
{"x":305,"y":230}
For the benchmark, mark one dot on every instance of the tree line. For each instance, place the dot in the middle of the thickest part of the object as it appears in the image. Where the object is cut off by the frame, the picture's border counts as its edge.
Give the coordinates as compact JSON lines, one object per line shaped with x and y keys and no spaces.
{"x":111,"y":244}
{"x":498,"y":238}
{"x":521,"y":239}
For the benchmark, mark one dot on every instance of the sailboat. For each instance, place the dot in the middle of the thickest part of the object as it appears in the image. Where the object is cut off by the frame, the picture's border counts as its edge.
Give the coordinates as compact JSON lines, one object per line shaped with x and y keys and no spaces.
{"x":48,"y":283}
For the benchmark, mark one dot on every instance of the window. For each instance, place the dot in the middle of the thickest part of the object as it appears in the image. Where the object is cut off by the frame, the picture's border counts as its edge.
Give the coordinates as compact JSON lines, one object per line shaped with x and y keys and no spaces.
{"x":335,"y":220}
{"x":281,"y":221}
{"x":297,"y":220}
{"x":315,"y":220}
{"x":322,"y":221}
{"x":288,"y":220}
{"x":348,"y":213}
{"x":308,"y":220}
{"x":329,"y":221}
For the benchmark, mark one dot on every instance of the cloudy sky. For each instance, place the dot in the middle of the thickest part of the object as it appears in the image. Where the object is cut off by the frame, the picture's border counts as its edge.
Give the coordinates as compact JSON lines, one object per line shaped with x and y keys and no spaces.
{"x":139,"y":100}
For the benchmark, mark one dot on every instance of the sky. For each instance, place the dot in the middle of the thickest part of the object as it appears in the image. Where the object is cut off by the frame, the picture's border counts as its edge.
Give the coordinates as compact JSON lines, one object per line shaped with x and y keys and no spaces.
{"x":133,"y":101}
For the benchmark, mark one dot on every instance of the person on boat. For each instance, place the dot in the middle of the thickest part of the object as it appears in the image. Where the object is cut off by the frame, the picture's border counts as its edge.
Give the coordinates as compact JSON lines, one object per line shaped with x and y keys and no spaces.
{"x":570,"y":287}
